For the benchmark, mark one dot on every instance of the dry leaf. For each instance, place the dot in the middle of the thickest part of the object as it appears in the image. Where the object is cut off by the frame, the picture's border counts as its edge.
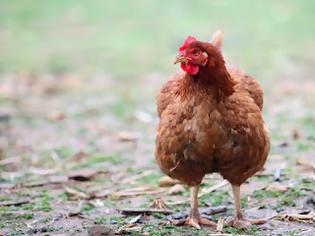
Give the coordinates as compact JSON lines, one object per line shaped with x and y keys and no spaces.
{"x":277,"y":187}
{"x":305,"y":218}
{"x":166,"y":181}
{"x":6,"y":186}
{"x":296,"y":134}
{"x":306,"y":164}
{"x":159,"y":204}
{"x":79,"y":156}
{"x":11,"y":160}
{"x":135,"y":219}
{"x":220,"y":225}
{"x":76,"y":194}
{"x":176,"y":189}
{"x":127,"y":137}
{"x":56,"y":116}
{"x":128,"y":227}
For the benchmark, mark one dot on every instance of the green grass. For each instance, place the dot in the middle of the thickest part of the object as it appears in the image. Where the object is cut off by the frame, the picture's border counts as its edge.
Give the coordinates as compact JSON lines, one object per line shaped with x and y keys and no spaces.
{"x":130,"y":38}
{"x":289,"y":198}
{"x":214,"y":199}
{"x":99,"y":159}
{"x":262,"y":193}
{"x":283,"y":199}
{"x":26,"y":216}
{"x":119,"y":220}
{"x":253,"y":230}
{"x":87,"y":207}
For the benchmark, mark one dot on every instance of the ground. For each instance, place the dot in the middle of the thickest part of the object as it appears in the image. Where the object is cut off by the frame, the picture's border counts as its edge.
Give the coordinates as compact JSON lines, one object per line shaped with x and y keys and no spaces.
{"x":77,"y":114}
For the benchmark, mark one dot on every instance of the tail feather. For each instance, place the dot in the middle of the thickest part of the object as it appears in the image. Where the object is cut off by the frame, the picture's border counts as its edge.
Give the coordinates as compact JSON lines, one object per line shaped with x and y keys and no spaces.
{"x":217,"y":39}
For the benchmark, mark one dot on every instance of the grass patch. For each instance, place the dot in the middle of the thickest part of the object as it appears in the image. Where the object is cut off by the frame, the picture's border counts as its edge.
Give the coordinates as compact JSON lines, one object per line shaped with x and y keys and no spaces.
{"x":26,"y":216}
{"x":97,"y":159}
{"x":154,"y":230}
{"x":253,"y":230}
{"x":87,"y":207}
{"x":151,"y":179}
{"x":63,"y":152}
{"x":214,"y":199}
{"x":117,"y":220}
{"x":122,"y":108}
{"x":262,"y":193}
{"x":289,"y":198}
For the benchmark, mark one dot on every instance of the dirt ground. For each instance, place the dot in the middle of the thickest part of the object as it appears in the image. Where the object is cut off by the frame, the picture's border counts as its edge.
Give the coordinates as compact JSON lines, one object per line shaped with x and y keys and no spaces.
{"x":79,"y":152}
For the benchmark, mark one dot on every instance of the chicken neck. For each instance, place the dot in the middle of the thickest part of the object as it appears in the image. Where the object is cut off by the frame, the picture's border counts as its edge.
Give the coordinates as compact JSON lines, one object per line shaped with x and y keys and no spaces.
{"x":215,"y":72}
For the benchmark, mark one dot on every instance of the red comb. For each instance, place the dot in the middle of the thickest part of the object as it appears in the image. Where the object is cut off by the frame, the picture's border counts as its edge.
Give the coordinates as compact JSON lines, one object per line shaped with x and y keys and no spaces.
{"x":188,"y":41}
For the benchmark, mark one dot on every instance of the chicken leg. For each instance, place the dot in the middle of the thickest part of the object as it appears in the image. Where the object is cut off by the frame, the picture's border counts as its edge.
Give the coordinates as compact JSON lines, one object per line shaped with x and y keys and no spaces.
{"x":239,"y":221}
{"x":194,"y":218}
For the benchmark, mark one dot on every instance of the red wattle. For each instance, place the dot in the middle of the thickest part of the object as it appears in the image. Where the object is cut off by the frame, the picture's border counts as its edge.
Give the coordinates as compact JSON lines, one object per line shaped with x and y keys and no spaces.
{"x":190,"y":68}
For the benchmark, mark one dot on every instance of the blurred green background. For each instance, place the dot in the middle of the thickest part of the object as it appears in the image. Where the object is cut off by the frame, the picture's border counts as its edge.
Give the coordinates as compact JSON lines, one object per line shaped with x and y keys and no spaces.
{"x":126,"y":50}
{"x":132,"y":38}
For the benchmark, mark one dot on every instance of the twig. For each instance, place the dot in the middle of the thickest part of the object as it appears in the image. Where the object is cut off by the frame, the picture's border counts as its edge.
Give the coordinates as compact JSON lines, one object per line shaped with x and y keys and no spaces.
{"x":144,"y":210}
{"x":214,"y":210}
{"x":59,"y":180}
{"x":220,"y":224}
{"x":306,"y":164}
{"x":17,"y":203}
{"x":310,"y":218}
{"x":38,"y":171}
{"x":77,"y":193}
{"x":138,"y":191}
{"x":132,"y":179}
{"x":11,"y":160}
{"x":213,"y":188}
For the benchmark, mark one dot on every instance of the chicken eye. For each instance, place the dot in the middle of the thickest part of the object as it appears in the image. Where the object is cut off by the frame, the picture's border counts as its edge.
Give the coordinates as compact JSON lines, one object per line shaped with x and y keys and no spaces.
{"x":195,"y":52}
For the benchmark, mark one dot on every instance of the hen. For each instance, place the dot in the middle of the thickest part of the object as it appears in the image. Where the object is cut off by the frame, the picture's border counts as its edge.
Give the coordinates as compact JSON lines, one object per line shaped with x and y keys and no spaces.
{"x":210,"y":121}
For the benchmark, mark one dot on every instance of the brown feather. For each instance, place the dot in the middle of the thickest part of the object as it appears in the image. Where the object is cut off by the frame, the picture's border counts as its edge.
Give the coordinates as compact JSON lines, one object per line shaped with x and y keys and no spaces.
{"x":211,"y":123}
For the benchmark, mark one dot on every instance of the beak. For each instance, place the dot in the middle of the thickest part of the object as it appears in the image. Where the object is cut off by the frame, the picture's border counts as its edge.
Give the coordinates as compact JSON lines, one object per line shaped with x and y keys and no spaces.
{"x":180,"y":58}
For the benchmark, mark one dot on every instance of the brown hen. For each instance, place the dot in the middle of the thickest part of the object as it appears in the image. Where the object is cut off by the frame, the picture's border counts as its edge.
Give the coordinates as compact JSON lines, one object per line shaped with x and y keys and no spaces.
{"x":210,"y":121}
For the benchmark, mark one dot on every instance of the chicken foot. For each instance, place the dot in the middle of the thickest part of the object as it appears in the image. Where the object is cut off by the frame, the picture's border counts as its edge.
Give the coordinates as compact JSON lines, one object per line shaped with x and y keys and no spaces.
{"x":239,"y":221}
{"x":194,"y":218}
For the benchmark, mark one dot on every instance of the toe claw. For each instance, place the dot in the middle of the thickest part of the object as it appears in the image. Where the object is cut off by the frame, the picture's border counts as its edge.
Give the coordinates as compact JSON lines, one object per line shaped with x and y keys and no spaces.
{"x":197,"y":222}
{"x":205,"y":221}
{"x":244,"y":223}
{"x":193,"y":222}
